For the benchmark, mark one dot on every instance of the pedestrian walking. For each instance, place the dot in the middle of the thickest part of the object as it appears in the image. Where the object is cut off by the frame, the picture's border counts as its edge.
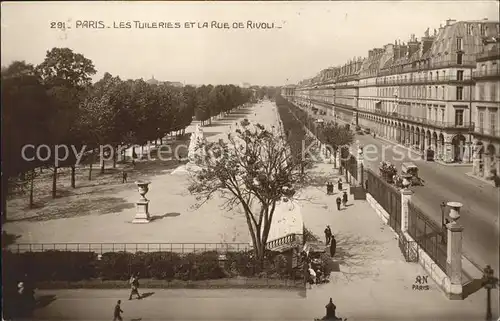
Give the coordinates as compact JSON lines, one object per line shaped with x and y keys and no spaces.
{"x":134,"y":284}
{"x":117,"y":316}
{"x":339,"y":184}
{"x":328,"y":234}
{"x":124,"y":177}
{"x":344,"y":199}
{"x":333,"y":246}
{"x":339,"y":201}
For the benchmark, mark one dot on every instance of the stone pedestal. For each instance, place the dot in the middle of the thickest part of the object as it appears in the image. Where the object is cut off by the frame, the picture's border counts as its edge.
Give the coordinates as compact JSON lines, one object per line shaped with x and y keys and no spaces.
{"x":454,"y":260}
{"x":142,"y":214}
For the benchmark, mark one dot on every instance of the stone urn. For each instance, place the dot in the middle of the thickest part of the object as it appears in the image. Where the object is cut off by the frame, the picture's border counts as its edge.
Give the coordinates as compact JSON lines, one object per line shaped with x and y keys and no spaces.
{"x":454,"y":210}
{"x":143,"y":188}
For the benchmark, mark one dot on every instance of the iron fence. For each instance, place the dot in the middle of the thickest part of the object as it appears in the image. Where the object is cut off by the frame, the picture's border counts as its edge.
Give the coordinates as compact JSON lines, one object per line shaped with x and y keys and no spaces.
{"x":428,"y":235}
{"x":409,"y":249}
{"x":101,"y":248}
{"x":387,"y":196}
{"x":349,"y":162}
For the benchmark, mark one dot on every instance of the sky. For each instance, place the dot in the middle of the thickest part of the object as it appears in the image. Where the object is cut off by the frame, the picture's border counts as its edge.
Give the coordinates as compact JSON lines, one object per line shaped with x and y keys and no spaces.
{"x":307,"y":36}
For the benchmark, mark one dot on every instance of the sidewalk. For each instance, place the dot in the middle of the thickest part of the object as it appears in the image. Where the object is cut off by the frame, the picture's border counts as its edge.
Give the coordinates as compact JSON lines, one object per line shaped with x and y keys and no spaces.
{"x":374,"y":280}
{"x":178,"y":305}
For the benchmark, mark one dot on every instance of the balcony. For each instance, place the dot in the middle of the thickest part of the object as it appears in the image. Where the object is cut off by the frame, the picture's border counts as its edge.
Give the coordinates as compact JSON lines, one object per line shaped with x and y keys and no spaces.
{"x":424,"y":80}
{"x":486,"y":73}
{"x":495,"y":132}
{"x":426,"y":121}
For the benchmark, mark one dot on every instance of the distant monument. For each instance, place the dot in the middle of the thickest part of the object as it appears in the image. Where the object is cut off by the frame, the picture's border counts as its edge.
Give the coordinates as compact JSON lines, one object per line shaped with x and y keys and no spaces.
{"x":195,"y":153}
{"x":194,"y":150}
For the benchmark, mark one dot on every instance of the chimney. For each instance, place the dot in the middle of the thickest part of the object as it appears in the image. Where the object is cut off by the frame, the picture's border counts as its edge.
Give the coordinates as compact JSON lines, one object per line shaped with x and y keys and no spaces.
{"x":403,"y":49}
{"x":449,"y":22}
{"x":397,"y":52}
{"x":413,"y":45}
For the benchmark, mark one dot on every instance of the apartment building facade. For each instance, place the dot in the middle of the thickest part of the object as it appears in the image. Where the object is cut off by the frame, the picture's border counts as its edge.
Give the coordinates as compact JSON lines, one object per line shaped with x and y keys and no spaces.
{"x":423,"y":93}
{"x":485,"y":110}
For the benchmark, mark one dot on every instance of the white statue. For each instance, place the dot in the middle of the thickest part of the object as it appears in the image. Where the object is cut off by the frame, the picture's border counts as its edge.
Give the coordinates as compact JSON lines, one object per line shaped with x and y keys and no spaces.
{"x":196,"y":138}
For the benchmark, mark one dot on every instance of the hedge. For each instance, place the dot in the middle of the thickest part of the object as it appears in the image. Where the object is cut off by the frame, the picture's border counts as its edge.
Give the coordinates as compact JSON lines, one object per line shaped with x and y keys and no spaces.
{"x":76,"y":266}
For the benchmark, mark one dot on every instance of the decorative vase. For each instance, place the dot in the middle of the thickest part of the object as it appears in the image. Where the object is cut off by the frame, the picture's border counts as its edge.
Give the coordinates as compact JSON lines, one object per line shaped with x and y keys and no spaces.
{"x":142,"y":187}
{"x":454,"y":210}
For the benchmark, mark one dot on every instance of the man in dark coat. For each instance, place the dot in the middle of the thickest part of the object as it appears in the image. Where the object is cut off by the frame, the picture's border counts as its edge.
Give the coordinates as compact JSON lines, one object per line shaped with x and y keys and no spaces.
{"x":339,"y":201}
{"x":339,"y":184}
{"x":328,"y":234}
{"x":117,"y":315}
{"x":344,"y":199}
{"x":333,"y":246}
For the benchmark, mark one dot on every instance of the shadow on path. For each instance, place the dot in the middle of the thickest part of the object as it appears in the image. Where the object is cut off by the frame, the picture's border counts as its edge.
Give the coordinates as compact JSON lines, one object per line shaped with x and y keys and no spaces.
{"x":44,"y":300}
{"x":159,"y":217}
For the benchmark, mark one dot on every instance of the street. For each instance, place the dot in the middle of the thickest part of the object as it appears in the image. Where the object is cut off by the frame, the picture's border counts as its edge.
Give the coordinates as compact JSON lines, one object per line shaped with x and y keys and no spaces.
{"x":479,"y":214}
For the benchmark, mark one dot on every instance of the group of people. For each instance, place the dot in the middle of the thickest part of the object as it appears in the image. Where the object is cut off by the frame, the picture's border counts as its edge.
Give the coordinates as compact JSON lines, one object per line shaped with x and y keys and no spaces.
{"x":339,"y":200}
{"x":134,"y":290}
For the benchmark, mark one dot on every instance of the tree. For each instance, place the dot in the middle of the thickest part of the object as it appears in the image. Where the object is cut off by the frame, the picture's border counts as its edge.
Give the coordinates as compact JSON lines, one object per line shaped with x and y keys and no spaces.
{"x":252,"y":169}
{"x":336,"y":137}
{"x":66,"y":75}
{"x":26,"y":120}
{"x":63,"y":67}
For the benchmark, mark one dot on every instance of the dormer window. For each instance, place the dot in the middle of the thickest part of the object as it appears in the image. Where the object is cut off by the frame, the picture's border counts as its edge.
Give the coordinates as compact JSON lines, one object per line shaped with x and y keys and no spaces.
{"x":460,"y":45}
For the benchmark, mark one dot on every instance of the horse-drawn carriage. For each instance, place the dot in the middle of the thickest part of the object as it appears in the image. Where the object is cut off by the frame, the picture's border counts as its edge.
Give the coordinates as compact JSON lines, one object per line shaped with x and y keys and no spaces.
{"x":411,"y":170}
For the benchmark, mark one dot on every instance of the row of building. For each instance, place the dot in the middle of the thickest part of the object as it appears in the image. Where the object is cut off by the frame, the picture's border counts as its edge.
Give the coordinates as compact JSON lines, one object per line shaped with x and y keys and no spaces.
{"x":439,"y":92}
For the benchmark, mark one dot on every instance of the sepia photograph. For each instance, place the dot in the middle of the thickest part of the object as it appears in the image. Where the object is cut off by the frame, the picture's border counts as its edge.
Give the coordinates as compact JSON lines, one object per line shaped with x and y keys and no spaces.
{"x":250,"y":160}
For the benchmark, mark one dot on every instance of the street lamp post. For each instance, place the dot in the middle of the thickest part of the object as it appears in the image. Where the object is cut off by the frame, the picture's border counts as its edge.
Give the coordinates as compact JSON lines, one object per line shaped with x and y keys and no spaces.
{"x":443,"y":225}
{"x":489,"y":282}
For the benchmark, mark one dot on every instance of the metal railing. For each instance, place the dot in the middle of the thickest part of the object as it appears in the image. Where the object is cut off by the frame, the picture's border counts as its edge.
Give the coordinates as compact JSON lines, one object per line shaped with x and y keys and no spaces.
{"x":387,"y":196}
{"x":349,"y":162}
{"x":424,"y":79}
{"x":488,"y":131}
{"x":428,"y":235}
{"x":424,"y":120}
{"x":101,"y":248}
{"x":409,"y":249}
{"x":486,"y":72}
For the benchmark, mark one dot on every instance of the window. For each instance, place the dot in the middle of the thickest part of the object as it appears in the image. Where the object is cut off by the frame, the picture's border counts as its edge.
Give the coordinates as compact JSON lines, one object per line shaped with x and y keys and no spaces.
{"x":460,"y":44}
{"x":480,"y":88}
{"x":442,"y":92}
{"x":436,"y":91}
{"x":429,"y":112}
{"x":480,"y":121}
{"x":442,"y":115}
{"x":460,"y":75}
{"x":460,"y":92}
{"x":459,"y":117}
{"x":459,"y":58}
{"x":435,"y":113}
{"x":430,"y":76}
{"x":444,"y":75}
{"x":493,"y":121}
{"x":493,"y":95}
{"x":469,"y":28}
{"x":482,"y":29}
